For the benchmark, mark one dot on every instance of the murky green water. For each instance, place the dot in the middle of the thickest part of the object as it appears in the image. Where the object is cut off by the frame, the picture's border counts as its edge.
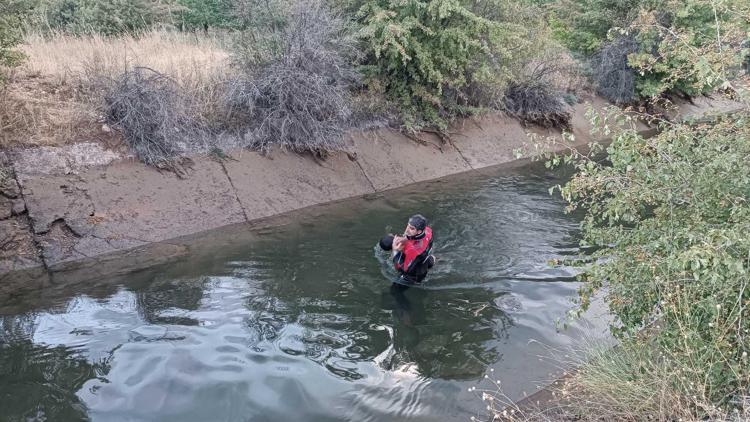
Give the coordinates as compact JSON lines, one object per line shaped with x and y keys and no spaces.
{"x":300,"y":323}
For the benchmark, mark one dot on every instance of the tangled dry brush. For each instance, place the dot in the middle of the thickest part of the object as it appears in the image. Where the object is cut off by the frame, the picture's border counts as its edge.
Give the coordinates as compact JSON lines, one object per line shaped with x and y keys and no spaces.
{"x":534,"y":99}
{"x":300,"y":100}
{"x":297,"y":100}
{"x":155,"y":117}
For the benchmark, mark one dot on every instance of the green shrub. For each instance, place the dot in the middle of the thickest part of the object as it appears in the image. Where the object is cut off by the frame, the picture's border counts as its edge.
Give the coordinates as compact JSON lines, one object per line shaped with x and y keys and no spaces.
{"x":204,"y":14}
{"x":103,"y":17}
{"x":12,"y":15}
{"x":583,"y":25}
{"x":679,"y":55}
{"x":684,"y":47}
{"x":430,"y":57}
{"x":670,"y":218}
{"x":636,"y":381}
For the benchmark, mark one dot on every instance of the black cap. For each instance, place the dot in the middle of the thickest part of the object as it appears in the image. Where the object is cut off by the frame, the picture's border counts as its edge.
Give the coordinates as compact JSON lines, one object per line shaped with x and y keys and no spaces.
{"x":418,"y":221}
{"x":386,"y":243}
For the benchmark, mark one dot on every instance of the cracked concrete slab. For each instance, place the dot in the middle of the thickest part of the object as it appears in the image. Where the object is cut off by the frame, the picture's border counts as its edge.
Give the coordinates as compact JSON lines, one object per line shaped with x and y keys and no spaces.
{"x":6,"y":207}
{"x":138,"y":203}
{"x":52,"y":198}
{"x":58,"y":243}
{"x":493,"y":139}
{"x":18,"y":206}
{"x":69,"y":159}
{"x":9,"y":188}
{"x":488,"y":140}
{"x":285,"y":181}
{"x":390,"y":159}
{"x":17,"y":248}
{"x":705,"y":107}
{"x":125,"y":205}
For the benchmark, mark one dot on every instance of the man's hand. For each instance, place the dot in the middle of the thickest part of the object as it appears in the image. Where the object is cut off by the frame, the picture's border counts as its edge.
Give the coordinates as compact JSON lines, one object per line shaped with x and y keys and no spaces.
{"x":399,"y":242}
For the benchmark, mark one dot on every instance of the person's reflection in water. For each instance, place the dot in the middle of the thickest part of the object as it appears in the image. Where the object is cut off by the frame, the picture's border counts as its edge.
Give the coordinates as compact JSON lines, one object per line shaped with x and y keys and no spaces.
{"x":402,"y":310}
{"x":445,"y":333}
{"x":408,"y":313}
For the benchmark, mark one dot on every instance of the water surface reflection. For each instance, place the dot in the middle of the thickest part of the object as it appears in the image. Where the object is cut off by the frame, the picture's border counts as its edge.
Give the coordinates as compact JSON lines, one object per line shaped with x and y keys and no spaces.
{"x":300,"y":322}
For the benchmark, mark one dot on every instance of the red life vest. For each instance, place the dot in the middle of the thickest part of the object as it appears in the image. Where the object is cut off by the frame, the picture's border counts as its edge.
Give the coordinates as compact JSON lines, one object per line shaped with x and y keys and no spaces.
{"x":414,"y":255}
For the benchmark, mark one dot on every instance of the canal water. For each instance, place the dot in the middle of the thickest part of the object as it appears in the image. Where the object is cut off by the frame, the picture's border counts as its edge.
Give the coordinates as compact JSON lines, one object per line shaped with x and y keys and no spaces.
{"x":299,"y":321}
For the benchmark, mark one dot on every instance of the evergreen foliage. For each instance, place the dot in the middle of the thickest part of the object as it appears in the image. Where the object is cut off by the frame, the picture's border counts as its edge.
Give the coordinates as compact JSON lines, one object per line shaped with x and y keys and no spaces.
{"x":669,"y":217}
{"x":204,"y":14}
{"x":683,"y":47}
{"x":112,"y":17}
{"x":12,"y":16}
{"x":428,"y":55}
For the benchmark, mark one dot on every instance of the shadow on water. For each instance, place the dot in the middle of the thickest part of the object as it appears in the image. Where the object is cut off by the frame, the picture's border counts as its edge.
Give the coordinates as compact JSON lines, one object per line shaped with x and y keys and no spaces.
{"x":300,"y":321}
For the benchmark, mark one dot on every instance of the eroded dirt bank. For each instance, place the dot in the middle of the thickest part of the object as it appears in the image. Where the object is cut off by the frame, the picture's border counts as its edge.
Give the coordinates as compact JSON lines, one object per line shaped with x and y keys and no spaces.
{"x":81,"y":212}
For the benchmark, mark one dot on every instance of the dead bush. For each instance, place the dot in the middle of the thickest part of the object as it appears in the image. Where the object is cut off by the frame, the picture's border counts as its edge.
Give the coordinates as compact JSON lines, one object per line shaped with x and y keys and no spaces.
{"x":534,"y":100}
{"x":613,"y":77}
{"x":300,"y":99}
{"x":154,"y":116}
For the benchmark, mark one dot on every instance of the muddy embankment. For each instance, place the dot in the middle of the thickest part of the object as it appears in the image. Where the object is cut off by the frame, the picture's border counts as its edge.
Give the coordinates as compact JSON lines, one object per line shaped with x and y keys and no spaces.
{"x":80,"y":213}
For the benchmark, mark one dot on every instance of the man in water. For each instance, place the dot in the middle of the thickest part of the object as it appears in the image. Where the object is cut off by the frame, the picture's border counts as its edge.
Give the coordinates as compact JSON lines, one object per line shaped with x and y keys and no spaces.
{"x":411,"y":252}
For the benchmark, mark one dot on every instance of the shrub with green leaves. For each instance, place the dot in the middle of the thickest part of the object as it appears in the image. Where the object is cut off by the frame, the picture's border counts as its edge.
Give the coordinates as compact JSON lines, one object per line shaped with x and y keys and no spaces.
{"x":670,"y":218}
{"x":583,"y":25}
{"x":430,"y":56}
{"x":111,"y":17}
{"x":204,"y":14}
{"x":684,"y":47}
{"x":12,"y":15}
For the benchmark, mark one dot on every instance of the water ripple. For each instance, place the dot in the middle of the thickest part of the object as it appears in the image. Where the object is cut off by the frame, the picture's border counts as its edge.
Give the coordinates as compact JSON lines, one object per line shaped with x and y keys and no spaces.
{"x":301,"y":322}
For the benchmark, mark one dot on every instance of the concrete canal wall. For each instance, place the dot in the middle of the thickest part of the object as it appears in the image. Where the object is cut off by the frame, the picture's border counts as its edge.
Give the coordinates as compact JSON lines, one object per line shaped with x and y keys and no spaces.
{"x":82,"y":211}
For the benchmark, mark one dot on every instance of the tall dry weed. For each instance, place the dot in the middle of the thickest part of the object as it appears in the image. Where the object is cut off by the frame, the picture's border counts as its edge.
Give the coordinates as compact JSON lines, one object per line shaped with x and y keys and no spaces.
{"x":33,"y":113}
{"x":187,"y":58}
{"x":55,"y":96}
{"x":628,"y":382}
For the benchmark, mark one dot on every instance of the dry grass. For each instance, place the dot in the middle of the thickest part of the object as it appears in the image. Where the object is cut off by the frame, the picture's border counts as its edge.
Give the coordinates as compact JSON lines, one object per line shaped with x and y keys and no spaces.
{"x":34,"y":112}
{"x":188,"y":58}
{"x":47,"y":103}
{"x":617,"y":384}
